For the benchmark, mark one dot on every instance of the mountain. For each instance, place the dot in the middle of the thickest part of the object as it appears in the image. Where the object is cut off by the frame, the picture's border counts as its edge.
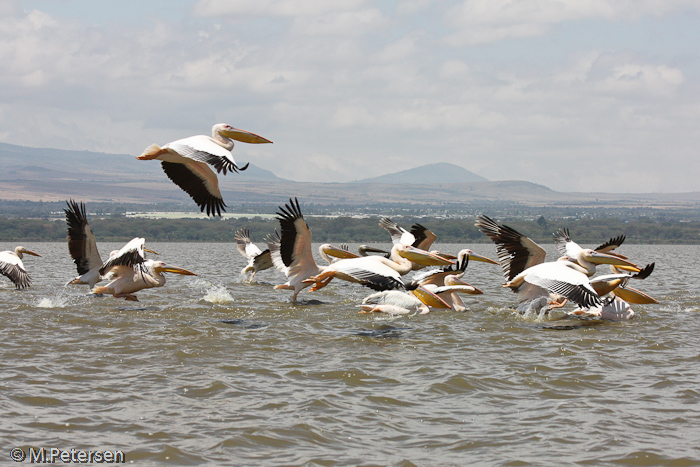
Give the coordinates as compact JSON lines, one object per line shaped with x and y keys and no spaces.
{"x":42,"y":174}
{"x":437,"y":173}
{"x":20,"y":163}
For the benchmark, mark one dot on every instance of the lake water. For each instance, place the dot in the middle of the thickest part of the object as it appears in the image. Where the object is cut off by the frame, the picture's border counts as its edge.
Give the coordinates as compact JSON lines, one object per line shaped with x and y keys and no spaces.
{"x":210,"y":370}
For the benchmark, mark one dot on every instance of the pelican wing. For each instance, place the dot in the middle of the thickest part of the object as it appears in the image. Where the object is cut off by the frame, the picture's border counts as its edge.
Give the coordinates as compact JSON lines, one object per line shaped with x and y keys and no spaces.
{"x":242,"y":237}
{"x":557,"y":277}
{"x":424,"y":237}
{"x":611,"y":244}
{"x":202,"y":148}
{"x":295,"y":239}
{"x":398,"y":234}
{"x":129,"y":255}
{"x":516,"y":252}
{"x":198,"y":181}
{"x":13,"y":268}
{"x":370,"y":273}
{"x":263,"y":260}
{"x":564,"y":244}
{"x":81,"y":242}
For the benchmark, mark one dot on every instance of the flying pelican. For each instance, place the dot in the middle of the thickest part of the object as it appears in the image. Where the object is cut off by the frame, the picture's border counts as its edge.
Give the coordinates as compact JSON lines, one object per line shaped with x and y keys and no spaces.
{"x":568,"y":247}
{"x":291,"y":254}
{"x":83,"y":248}
{"x":526,"y":273}
{"x":11,"y":266}
{"x":128,"y":278}
{"x":397,"y":302}
{"x":258,"y":260}
{"x":186,"y":162}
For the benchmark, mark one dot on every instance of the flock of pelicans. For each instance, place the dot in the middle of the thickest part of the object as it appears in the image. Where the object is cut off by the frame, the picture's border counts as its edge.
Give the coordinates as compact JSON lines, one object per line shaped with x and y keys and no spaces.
{"x":540,"y":285}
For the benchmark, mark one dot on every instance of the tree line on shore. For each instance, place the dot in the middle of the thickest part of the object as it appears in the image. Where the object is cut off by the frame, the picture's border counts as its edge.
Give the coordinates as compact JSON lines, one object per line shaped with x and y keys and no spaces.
{"x":349,"y":229}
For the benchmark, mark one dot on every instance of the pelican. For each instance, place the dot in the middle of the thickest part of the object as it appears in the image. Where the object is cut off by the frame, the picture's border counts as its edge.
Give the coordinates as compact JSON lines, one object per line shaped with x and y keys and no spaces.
{"x":568,"y":247}
{"x":451,"y":290}
{"x":11,"y":266}
{"x":291,"y":254}
{"x":377,"y":272}
{"x":258,"y":260}
{"x":127,"y":278}
{"x":397,"y":302}
{"x":526,"y":273}
{"x":419,"y":237}
{"x":186,"y":162}
{"x":83,"y":248}
{"x":437,"y":276}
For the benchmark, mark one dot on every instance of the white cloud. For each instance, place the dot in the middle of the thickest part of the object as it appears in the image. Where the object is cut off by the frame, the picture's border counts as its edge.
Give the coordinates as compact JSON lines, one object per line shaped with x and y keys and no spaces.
{"x":485,"y":21}
{"x":354,"y":86}
{"x":295,"y":8}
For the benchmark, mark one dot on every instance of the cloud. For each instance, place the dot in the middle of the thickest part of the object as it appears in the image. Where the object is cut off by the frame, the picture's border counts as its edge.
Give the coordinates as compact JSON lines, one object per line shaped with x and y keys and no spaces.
{"x":292,"y":8}
{"x":486,"y":21}
{"x":354,"y":87}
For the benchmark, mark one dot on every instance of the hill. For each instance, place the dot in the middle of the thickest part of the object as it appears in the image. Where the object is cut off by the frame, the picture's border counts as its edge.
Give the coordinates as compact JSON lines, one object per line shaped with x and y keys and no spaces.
{"x":440,"y":172}
{"x":41,"y":174}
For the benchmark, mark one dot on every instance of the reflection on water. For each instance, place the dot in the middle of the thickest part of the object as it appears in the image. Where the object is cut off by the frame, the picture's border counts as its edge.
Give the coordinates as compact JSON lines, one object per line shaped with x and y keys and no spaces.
{"x":213,"y":370}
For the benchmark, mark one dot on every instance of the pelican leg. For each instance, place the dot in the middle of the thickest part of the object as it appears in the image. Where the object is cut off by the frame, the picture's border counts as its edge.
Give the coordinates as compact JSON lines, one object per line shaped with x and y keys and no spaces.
{"x":557,"y":304}
{"x":127,"y":296}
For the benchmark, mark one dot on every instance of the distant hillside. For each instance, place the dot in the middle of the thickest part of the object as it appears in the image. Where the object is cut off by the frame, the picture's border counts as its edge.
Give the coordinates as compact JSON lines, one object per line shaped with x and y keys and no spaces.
{"x":41,"y":174}
{"x":23,"y":163}
{"x":441,"y":172}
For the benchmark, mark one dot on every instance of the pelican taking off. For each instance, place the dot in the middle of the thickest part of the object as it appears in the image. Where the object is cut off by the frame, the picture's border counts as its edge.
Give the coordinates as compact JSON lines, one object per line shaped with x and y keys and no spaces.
{"x":11,"y":266}
{"x":526,"y":273}
{"x":258,"y":260}
{"x":186,"y":162}
{"x":127,"y":278}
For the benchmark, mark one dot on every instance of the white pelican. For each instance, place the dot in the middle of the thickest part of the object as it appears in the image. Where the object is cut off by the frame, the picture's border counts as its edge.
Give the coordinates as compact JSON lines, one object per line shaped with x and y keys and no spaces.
{"x":419,"y":236}
{"x":258,"y":260}
{"x":186,"y":162}
{"x":526,"y":273}
{"x":292,"y":255}
{"x":377,"y":272}
{"x":397,"y":302}
{"x":11,"y":266}
{"x":451,"y":290}
{"x":126,"y":279}
{"x":83,"y":248}
{"x":437,"y":276}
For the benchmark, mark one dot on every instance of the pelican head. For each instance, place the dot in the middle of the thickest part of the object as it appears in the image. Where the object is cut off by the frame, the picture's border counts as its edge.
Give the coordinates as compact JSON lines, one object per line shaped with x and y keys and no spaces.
{"x":473,"y":256}
{"x":228,"y":131}
{"x":161,"y":267}
{"x":20,"y":250}
{"x":336,"y":252}
{"x":422,"y":257}
{"x":596,"y":257}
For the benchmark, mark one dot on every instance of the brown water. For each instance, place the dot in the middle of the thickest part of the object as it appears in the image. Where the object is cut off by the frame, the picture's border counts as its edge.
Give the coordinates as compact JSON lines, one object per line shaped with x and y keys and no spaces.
{"x":210,"y":370}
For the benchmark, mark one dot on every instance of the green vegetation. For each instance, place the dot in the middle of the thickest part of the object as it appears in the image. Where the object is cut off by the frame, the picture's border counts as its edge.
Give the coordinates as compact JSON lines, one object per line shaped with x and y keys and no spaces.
{"x":116,"y":228}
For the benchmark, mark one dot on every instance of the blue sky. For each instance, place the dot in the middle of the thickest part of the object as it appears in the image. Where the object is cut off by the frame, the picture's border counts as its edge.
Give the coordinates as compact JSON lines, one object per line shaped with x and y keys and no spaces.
{"x":593,"y":95}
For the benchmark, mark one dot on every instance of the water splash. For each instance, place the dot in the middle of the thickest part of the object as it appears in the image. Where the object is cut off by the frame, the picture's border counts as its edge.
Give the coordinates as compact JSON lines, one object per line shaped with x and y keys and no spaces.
{"x":55,"y":302}
{"x":218,"y":294}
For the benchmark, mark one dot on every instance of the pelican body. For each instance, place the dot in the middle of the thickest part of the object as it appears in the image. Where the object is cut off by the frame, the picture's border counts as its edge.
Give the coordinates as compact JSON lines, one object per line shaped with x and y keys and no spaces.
{"x":126,"y":279}
{"x":11,"y":266}
{"x":258,"y":260}
{"x":187,"y":163}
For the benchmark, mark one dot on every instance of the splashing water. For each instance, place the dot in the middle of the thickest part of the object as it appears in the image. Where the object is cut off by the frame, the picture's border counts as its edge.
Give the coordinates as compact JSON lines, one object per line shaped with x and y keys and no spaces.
{"x":218,"y":294}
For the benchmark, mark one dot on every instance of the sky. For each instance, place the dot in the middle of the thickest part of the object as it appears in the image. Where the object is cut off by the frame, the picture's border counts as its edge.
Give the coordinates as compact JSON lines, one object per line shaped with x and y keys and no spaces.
{"x":591,"y":95}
